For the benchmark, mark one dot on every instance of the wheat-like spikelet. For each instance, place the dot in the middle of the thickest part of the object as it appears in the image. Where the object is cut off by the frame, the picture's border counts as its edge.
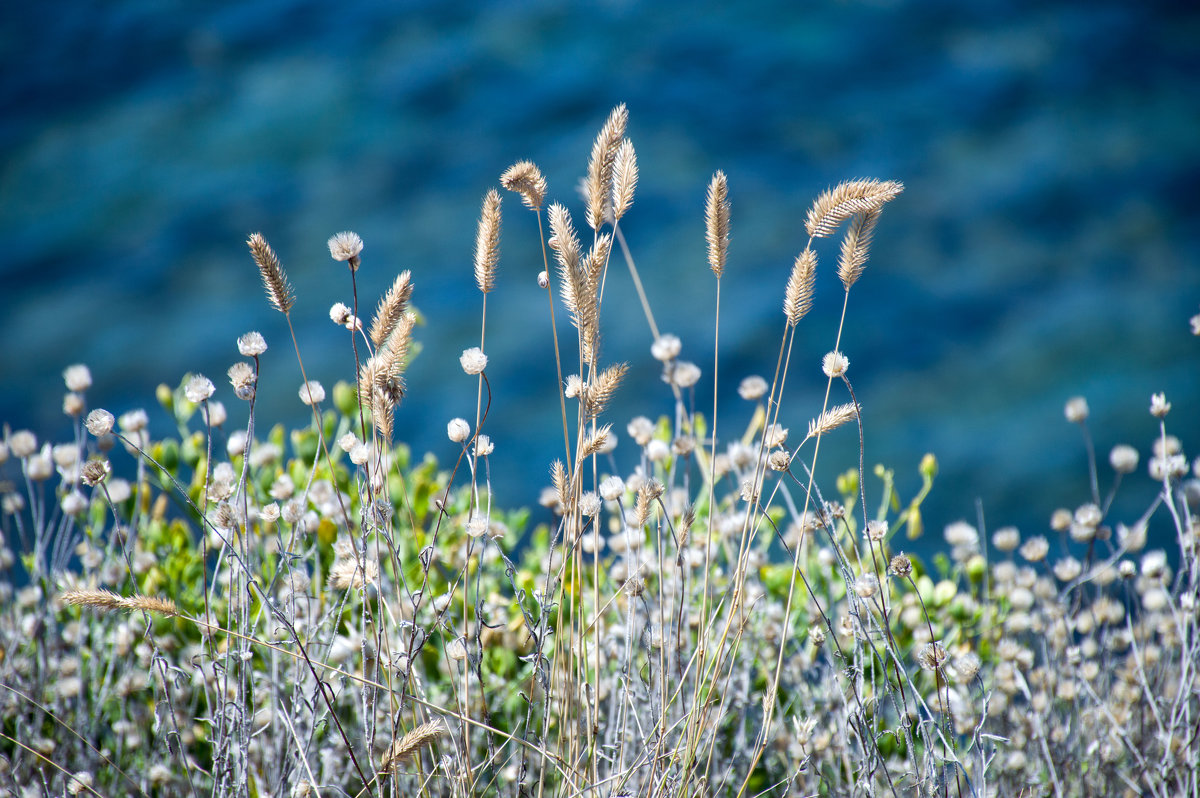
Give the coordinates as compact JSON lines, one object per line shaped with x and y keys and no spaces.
{"x":487,"y":242}
{"x":600,"y":167}
{"x":831,"y":419}
{"x":716,"y":222}
{"x":391,"y":308}
{"x":107,"y":600}
{"x":411,"y":743}
{"x":650,"y":490}
{"x":279,"y":290}
{"x":526,"y":179}
{"x":625,"y":177}
{"x":797,"y":298}
{"x":855,"y":247}
{"x":563,"y":240}
{"x":846,"y":199}
{"x":558,"y":476}
{"x":594,"y":442}
{"x":600,"y":389}
{"x":597,"y":257}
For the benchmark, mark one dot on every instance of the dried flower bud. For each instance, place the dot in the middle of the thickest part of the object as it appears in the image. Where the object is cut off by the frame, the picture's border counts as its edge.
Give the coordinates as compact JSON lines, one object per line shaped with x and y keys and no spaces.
{"x":752,"y":388}
{"x":312,"y":393}
{"x":77,"y":378}
{"x":458,"y":430}
{"x":1123,"y":458}
{"x":834,"y":364}
{"x":95,"y":471}
{"x":346,"y":246}
{"x":1076,"y":410}
{"x":243,"y":379}
{"x":666,"y":347}
{"x":99,"y":422}
{"x":198,"y":389}
{"x":1159,"y":406}
{"x":901,"y":566}
{"x":252,"y":344}
{"x":473,"y":360}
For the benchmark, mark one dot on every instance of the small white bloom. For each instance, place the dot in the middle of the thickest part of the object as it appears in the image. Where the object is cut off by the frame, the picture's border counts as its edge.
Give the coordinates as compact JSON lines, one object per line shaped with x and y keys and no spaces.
{"x":100,"y":422}
{"x":834,"y":364}
{"x":217,"y":414}
{"x":589,"y":504}
{"x":612,"y":488}
{"x":198,"y":389}
{"x":473,"y":360}
{"x":1124,"y":458}
{"x":345,"y":245}
{"x":458,"y":430}
{"x":483,"y":446}
{"x":312,"y":393}
{"x":477,"y":526}
{"x":752,"y":387}
{"x":77,"y":377}
{"x":1076,"y":410}
{"x":666,"y":347}
{"x":685,"y":374}
{"x":74,"y":504}
{"x":252,"y":344}
{"x":339,"y":314}
{"x":22,"y":443}
{"x":1159,"y":406}
{"x":877,"y":530}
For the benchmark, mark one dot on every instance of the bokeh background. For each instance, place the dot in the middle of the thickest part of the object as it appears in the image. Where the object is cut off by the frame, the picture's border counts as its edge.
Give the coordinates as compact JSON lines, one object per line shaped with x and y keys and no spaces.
{"x":1047,"y":243}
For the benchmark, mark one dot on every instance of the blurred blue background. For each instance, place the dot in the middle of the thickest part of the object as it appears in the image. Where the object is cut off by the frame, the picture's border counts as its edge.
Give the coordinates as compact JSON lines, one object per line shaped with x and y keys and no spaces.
{"x":1046,"y":244}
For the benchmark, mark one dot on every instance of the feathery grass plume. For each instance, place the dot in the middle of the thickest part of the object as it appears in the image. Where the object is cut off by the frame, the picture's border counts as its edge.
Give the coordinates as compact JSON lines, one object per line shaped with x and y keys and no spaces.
{"x":716,"y":222}
{"x":600,"y":167}
{"x":411,"y":743}
{"x":107,"y":600}
{"x":855,"y":247}
{"x":597,"y":257}
{"x":594,"y":442}
{"x":279,"y":290}
{"x":487,"y":242}
{"x":625,"y":177}
{"x":558,"y":475}
{"x":831,"y":419}
{"x":846,"y":199}
{"x":381,"y":377}
{"x":391,"y":308}
{"x":526,"y":179}
{"x":563,"y":240}
{"x":600,"y":389}
{"x":797,"y":298}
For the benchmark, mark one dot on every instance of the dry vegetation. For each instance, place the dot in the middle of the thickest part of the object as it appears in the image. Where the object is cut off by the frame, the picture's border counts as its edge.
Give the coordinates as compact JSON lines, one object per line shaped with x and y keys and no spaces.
{"x":315,"y":611}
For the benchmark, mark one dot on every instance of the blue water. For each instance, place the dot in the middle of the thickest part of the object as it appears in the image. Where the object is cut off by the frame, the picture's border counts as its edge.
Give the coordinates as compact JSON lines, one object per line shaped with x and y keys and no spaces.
{"x":1047,"y":243}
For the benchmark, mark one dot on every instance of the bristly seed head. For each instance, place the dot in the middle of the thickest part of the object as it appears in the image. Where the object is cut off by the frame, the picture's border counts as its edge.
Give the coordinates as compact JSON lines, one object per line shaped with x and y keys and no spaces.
{"x":279,"y":290}
{"x":198,"y":389}
{"x":526,"y":179}
{"x":99,"y":422}
{"x":487,"y":242}
{"x":834,"y":364}
{"x":78,"y":378}
{"x":716,"y":222}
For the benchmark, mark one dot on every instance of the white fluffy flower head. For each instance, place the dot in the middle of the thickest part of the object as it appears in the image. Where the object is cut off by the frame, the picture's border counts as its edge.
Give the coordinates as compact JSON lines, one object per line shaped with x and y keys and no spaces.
{"x":473,"y":360}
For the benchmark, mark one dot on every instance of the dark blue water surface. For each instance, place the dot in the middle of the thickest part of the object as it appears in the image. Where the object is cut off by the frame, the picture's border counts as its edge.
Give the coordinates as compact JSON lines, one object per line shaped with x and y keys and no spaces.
{"x":1047,"y":243}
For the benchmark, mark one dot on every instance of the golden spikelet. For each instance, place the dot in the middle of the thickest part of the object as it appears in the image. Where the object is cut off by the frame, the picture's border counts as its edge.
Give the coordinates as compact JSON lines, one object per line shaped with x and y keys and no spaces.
{"x":411,"y":744}
{"x":526,"y":179}
{"x":487,"y":242}
{"x":391,"y":308}
{"x":279,"y":290}
{"x":92,"y":597}
{"x":650,"y":490}
{"x":160,"y":606}
{"x":594,"y":442}
{"x":797,"y":298}
{"x":600,"y":167}
{"x":847,"y":199}
{"x":855,"y":246}
{"x":831,"y":419}
{"x":107,"y":600}
{"x":597,"y":258}
{"x":625,"y":177}
{"x":716,"y":222}
{"x":600,"y":389}
{"x":558,"y":475}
